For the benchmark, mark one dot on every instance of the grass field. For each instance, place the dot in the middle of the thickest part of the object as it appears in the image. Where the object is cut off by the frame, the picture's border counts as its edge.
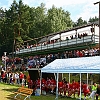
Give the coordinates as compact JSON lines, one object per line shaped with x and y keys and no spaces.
{"x":7,"y":93}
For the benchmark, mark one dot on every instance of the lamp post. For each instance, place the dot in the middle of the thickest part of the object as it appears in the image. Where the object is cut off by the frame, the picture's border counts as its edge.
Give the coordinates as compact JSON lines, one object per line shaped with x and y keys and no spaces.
{"x":99,"y":23}
{"x":5,"y":59}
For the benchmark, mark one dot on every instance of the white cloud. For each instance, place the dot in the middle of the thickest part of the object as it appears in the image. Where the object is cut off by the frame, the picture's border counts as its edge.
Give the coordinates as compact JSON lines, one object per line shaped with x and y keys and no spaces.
{"x":33,"y":3}
{"x":89,"y":10}
{"x":62,"y":3}
{"x":9,"y":2}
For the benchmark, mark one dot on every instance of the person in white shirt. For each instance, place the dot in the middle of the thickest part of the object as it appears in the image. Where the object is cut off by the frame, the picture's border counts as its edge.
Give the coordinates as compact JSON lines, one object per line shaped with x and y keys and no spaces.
{"x":16,"y":78}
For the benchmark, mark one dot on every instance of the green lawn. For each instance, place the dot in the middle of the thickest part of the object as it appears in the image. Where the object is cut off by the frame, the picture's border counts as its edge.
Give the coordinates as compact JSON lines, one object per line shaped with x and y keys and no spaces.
{"x":7,"y":93}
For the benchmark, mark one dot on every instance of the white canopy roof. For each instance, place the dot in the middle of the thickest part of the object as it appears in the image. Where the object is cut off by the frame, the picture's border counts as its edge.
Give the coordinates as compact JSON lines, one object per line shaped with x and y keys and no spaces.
{"x":74,"y":65}
{"x":55,"y":37}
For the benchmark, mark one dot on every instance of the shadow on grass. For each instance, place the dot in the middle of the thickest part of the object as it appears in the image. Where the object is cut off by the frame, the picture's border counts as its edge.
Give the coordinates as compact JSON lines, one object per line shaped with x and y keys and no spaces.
{"x":10,"y":96}
{"x":33,"y":97}
{"x":10,"y":90}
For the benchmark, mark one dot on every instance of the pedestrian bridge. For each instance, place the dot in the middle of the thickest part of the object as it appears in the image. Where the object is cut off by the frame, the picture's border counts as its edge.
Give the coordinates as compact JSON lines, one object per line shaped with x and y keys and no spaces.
{"x":86,"y":40}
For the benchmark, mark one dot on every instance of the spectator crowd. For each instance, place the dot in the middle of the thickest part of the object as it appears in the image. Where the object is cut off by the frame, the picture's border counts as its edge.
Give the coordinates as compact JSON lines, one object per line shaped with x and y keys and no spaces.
{"x":39,"y":61}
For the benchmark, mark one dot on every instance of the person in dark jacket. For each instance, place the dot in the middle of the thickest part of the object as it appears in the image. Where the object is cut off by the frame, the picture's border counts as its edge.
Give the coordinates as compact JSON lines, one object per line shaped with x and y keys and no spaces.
{"x":98,"y":92}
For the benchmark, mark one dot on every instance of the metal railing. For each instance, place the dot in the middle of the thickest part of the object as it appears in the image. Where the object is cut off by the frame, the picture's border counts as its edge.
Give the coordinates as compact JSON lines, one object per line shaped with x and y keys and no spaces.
{"x":75,"y":41}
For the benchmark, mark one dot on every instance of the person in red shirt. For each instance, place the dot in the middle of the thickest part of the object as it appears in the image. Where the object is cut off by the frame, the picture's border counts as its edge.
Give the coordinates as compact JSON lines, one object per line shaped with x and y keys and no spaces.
{"x":47,"y":84}
{"x":52,"y":84}
{"x":3,"y":75}
{"x":21,"y":76}
{"x":78,"y":87}
{"x":60,"y":87}
{"x":69,"y":89}
{"x":37,"y":83}
{"x":80,"y":54}
{"x":43,"y":81}
{"x":73,"y":88}
{"x":65,"y":87}
{"x":85,"y":89}
{"x":30,"y":84}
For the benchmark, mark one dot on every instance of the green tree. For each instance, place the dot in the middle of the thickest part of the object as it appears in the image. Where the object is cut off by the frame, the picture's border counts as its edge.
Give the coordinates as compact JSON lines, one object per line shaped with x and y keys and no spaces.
{"x":3,"y":36}
{"x":15,"y":25}
{"x":58,"y":19}
{"x":79,"y":22}
{"x":38,"y":17}
{"x":94,"y":19}
{"x":18,"y":17}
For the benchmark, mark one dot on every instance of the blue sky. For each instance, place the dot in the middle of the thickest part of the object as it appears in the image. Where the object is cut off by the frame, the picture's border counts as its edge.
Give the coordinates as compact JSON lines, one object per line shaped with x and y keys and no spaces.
{"x":77,"y":8}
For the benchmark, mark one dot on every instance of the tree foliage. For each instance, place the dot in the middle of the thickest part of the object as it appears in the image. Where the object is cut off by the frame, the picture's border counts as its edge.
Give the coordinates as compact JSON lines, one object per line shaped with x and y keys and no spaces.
{"x":94,"y":19}
{"x":79,"y":22}
{"x":58,"y":19}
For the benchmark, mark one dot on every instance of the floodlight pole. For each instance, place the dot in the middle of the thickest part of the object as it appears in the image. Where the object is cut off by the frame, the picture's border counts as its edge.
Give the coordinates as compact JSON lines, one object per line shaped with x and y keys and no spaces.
{"x":99,"y":23}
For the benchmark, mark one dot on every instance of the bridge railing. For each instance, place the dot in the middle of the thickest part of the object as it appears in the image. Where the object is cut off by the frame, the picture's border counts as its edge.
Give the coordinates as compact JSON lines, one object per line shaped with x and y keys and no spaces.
{"x":85,"y":39}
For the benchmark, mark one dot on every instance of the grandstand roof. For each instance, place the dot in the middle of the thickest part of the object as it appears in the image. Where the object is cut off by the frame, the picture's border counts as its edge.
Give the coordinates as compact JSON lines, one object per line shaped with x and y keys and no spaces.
{"x":43,"y":38}
{"x":47,"y":38}
{"x":74,"y":65}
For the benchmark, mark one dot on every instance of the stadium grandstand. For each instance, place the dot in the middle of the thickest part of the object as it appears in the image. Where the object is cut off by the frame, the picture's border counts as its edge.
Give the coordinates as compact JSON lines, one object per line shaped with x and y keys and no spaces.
{"x":82,"y":37}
